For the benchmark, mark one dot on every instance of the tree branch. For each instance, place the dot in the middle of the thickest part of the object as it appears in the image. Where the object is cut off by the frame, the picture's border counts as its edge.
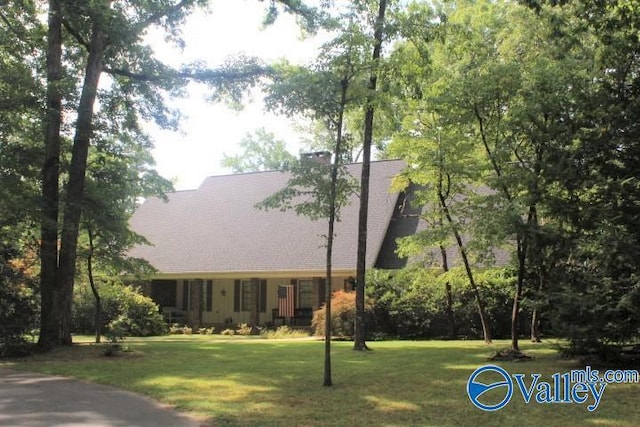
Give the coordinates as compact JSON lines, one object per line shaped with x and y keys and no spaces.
{"x":76,"y":35}
{"x":17,"y":33}
{"x":141,"y":77}
{"x":154,"y":18}
{"x":205,"y":76}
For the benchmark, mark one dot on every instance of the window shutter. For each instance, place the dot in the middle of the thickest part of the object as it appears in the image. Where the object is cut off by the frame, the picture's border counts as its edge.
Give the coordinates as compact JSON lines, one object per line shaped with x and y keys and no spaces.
{"x":236,"y":296}
{"x":294,"y":282}
{"x":263,"y":295}
{"x":209,"y":295}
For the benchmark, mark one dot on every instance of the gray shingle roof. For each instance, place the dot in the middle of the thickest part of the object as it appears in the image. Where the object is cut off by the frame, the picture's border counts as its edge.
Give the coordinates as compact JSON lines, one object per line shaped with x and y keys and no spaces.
{"x":217,"y":229}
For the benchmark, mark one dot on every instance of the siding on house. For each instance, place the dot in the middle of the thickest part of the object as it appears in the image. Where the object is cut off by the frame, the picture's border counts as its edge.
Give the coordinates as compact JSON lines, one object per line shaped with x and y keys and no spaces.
{"x":223,"y":299}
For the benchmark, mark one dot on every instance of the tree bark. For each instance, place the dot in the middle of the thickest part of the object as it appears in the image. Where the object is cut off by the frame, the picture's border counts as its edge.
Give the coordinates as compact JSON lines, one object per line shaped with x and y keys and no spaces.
{"x":77,"y":173}
{"x":327,"y":380}
{"x":360,"y":328}
{"x":486,"y":331}
{"x":517,"y":296}
{"x":451,"y":325}
{"x":332,"y":217}
{"x":49,"y":292}
{"x":535,"y":315}
{"x":94,"y":288}
{"x":535,"y":326}
{"x":522,"y":249}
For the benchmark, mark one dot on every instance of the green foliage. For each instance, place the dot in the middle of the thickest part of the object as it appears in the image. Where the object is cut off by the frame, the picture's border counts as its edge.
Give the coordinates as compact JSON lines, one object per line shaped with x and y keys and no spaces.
{"x":308,"y":191}
{"x":115,"y":338}
{"x":123,"y":308}
{"x":593,"y":270}
{"x":539,"y":106}
{"x":262,"y":152}
{"x":595,"y":301}
{"x":20,"y":160}
{"x":309,"y":18}
{"x":18,"y":307}
{"x":411,"y":303}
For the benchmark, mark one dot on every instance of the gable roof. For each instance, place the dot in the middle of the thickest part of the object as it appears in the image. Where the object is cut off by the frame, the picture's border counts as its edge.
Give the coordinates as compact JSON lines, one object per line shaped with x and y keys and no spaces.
{"x":217,"y":229}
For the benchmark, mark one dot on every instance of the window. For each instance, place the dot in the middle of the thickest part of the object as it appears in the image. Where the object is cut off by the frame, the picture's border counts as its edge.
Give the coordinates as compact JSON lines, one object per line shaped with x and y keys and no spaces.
{"x":190,"y":298}
{"x":164,"y":292}
{"x":248,"y":297}
{"x":248,"y":293}
{"x":305,"y":294}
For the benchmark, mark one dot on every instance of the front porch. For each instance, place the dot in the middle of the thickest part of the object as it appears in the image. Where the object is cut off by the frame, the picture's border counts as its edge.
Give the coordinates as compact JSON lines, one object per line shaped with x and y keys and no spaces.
{"x":227,"y":302}
{"x":301,"y":317}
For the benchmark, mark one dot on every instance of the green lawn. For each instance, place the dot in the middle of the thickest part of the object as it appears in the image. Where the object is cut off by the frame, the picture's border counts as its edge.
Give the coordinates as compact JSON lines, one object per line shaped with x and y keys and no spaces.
{"x":239,"y":381}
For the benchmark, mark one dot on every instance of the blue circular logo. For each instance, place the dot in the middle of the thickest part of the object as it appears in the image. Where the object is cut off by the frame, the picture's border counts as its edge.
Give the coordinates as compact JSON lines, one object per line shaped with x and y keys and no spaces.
{"x":476,"y":388}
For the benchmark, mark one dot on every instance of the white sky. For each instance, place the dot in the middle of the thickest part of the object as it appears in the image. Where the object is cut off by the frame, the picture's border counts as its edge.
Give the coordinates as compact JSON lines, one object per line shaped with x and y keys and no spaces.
{"x":209,"y":130}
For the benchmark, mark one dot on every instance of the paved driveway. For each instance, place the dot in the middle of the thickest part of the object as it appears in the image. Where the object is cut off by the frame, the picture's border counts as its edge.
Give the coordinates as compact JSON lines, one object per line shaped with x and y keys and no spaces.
{"x":34,"y":400}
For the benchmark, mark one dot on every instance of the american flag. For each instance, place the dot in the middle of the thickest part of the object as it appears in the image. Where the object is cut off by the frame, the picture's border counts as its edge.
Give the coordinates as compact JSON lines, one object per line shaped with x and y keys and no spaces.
{"x":285,"y":301}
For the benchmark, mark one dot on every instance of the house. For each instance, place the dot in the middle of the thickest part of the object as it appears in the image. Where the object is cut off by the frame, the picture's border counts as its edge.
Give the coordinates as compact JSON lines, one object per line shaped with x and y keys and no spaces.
{"x":220,"y":260}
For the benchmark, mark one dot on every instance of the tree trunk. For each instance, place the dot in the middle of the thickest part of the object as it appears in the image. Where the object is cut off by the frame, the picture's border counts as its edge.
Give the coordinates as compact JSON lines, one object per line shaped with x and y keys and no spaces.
{"x":94,"y":288}
{"x":486,"y":332}
{"x":535,"y":315}
{"x":535,"y":326}
{"x":332,"y":217}
{"x":515,"y":311}
{"x":443,"y":194}
{"x":77,"y":173}
{"x":451,"y":325}
{"x":521,"y":236}
{"x":49,"y":293}
{"x":523,"y":247}
{"x":327,"y":381}
{"x":360,"y":331}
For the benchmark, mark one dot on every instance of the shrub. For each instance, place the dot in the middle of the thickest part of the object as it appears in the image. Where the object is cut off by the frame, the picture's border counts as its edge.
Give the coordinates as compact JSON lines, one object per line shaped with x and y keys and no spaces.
{"x":343,"y":315}
{"x":18,"y":308}
{"x":244,"y":329}
{"x":176,"y":329}
{"x":412,"y":303}
{"x":115,"y":338}
{"x":123,"y":307}
{"x":281,"y":332}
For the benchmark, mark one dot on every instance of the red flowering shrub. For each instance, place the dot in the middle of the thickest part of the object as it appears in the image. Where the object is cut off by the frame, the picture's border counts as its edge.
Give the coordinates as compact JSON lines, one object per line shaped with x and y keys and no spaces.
{"x":343,"y":314}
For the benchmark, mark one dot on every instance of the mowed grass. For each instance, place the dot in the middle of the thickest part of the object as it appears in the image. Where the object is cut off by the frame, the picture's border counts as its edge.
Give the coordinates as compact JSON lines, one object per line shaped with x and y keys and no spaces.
{"x":252,"y":382}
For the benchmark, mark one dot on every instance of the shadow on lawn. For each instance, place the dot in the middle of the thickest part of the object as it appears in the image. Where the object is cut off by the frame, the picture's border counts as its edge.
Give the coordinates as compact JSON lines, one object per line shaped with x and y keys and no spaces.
{"x":279,"y":383}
